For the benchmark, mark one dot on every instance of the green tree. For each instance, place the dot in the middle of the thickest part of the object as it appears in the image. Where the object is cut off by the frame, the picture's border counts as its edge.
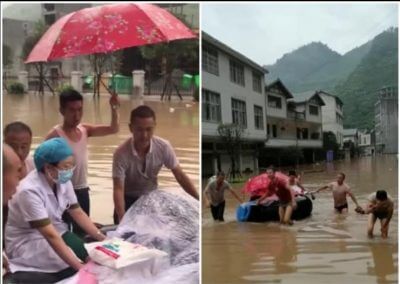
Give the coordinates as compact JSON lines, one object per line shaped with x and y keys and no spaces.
{"x":182,"y":54}
{"x":101,"y":63}
{"x":7,"y":62}
{"x":30,"y":42}
{"x":7,"y":56}
{"x":231,"y":137}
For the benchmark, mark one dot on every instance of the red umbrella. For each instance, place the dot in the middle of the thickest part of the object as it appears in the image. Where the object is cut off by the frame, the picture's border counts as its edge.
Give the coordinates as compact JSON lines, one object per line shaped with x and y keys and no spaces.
{"x":257,"y":186}
{"x":107,"y":28}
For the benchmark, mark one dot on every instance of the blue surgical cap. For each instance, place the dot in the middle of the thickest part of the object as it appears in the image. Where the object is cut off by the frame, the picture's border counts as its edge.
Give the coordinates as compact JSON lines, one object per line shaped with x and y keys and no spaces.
{"x":52,"y":151}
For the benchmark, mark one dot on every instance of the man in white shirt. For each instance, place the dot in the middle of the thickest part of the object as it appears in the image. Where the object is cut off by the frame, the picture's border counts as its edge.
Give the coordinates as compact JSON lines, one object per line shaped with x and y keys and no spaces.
{"x":138,"y":161}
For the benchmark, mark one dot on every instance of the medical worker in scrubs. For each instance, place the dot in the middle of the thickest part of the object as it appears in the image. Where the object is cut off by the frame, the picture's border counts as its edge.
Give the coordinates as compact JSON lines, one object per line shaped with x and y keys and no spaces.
{"x":38,"y":244}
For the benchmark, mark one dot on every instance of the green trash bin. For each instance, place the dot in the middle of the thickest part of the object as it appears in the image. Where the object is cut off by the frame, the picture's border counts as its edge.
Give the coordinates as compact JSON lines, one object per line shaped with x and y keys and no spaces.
{"x":187,"y":81}
{"x":121,"y":84}
{"x":197,"y":80}
{"x":88,"y":81}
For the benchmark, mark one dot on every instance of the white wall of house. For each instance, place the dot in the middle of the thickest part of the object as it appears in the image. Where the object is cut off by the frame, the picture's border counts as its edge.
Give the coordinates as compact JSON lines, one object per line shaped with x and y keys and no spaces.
{"x":364,"y":139}
{"x":273,"y":111}
{"x":222,"y":85}
{"x":313,"y":117}
{"x":329,"y":117}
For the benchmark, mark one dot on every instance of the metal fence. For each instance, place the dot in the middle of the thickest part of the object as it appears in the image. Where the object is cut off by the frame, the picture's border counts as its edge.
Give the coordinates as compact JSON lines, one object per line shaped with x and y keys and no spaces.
{"x":185,"y":85}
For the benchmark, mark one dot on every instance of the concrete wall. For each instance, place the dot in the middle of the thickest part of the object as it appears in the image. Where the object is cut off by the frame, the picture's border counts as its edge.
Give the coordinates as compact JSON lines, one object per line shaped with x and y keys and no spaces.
{"x":311,"y":117}
{"x":389,"y":125}
{"x":329,"y":122}
{"x":222,"y":84}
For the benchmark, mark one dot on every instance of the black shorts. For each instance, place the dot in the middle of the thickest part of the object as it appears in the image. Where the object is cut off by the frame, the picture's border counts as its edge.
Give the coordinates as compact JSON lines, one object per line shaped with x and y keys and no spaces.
{"x":380,"y":215}
{"x":341,"y":207}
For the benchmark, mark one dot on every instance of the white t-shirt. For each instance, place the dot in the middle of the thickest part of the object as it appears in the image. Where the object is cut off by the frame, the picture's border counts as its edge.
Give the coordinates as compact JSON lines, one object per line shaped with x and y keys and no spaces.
{"x":35,"y":201}
{"x":29,"y":164}
{"x":128,"y":166}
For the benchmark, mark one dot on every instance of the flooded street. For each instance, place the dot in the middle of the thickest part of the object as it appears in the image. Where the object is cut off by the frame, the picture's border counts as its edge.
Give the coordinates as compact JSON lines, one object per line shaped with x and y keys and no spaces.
{"x":325,"y":248}
{"x":177,"y":122}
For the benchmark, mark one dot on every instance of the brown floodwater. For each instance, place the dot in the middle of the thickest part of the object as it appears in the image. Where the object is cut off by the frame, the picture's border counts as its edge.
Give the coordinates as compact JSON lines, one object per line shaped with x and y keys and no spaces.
{"x":325,"y":248}
{"x":177,"y":122}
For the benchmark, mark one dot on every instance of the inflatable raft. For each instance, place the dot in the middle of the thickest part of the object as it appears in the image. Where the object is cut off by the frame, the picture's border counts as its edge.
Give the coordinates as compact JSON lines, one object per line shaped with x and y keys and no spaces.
{"x":250,"y":212}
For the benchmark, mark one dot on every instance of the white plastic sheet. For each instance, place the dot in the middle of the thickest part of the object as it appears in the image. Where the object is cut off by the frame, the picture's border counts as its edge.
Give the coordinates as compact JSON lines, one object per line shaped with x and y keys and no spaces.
{"x":164,"y":221}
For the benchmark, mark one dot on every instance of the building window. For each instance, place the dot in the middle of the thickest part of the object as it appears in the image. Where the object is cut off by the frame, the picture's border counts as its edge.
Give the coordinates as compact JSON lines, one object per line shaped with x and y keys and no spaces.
{"x":210,"y":60}
{"x":298,"y":133}
{"x":268,"y":130}
{"x":313,"y":110}
{"x":256,"y":82}
{"x":274,"y":131}
{"x":237,"y":72}
{"x":315,"y":135}
{"x":274,"y":102}
{"x":339,"y":119}
{"x":49,"y":7}
{"x":304,"y":133}
{"x":239,"y":113}
{"x":211,"y":106}
{"x":49,"y":19}
{"x":258,"y":117}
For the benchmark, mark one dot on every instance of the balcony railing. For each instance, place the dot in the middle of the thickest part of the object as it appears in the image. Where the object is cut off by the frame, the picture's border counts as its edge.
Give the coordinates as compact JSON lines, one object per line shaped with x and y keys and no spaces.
{"x":296,"y":115}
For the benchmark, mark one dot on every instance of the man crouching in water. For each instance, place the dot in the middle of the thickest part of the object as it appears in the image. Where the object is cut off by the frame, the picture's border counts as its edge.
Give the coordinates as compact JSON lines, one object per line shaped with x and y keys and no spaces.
{"x":380,"y":207}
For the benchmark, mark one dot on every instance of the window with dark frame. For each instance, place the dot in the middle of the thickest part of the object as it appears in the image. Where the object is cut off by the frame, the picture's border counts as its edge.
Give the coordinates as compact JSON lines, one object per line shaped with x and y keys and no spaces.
{"x":274,"y":102}
{"x":258,"y":117}
{"x":236,"y":72}
{"x":211,"y":106}
{"x":256,"y":82}
{"x":239,"y":113}
{"x":313,"y":110}
{"x":210,"y":60}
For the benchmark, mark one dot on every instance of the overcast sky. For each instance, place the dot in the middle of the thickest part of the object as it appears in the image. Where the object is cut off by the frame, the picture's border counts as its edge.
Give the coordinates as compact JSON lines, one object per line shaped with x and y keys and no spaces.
{"x":265,"y":31}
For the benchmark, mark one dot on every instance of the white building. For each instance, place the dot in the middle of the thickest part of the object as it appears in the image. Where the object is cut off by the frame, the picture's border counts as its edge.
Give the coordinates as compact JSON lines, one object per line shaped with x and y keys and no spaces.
{"x":332,"y":115}
{"x":386,"y":120}
{"x":366,"y":142}
{"x":232,"y":92}
{"x":350,"y":135}
{"x":293,"y":120}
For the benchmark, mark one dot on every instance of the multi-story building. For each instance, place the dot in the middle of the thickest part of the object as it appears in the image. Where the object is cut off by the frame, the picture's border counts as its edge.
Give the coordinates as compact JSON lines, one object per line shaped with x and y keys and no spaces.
{"x":293,"y":120}
{"x":15,"y":32}
{"x":366,"y":143}
{"x":332,"y":115}
{"x":232,"y":92}
{"x":186,"y":11}
{"x":350,"y":136}
{"x":386,"y":120}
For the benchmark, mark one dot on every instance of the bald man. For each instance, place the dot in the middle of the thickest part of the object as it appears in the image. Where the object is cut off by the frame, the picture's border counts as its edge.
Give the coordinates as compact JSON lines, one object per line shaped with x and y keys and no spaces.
{"x":11,"y":172}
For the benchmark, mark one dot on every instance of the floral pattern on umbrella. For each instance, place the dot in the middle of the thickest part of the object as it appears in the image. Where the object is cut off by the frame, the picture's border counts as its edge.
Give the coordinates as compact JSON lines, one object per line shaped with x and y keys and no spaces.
{"x":107,"y":28}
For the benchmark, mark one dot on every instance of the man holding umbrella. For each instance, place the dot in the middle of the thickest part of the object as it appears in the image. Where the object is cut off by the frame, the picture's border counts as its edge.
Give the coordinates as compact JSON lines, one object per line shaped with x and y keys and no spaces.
{"x":77,"y":134}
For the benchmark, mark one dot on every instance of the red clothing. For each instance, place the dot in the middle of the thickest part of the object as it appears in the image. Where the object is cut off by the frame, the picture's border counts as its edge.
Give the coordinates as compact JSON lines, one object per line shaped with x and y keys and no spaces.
{"x":279,"y":187}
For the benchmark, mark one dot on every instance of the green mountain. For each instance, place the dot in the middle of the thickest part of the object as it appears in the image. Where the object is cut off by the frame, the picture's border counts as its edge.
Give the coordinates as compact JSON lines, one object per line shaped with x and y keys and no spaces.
{"x":308,"y":58}
{"x":354,"y":77}
{"x":377,"y":69}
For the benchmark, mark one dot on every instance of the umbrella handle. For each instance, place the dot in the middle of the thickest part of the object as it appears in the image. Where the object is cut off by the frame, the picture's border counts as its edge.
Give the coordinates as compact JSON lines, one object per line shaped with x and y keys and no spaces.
{"x":111,"y":92}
